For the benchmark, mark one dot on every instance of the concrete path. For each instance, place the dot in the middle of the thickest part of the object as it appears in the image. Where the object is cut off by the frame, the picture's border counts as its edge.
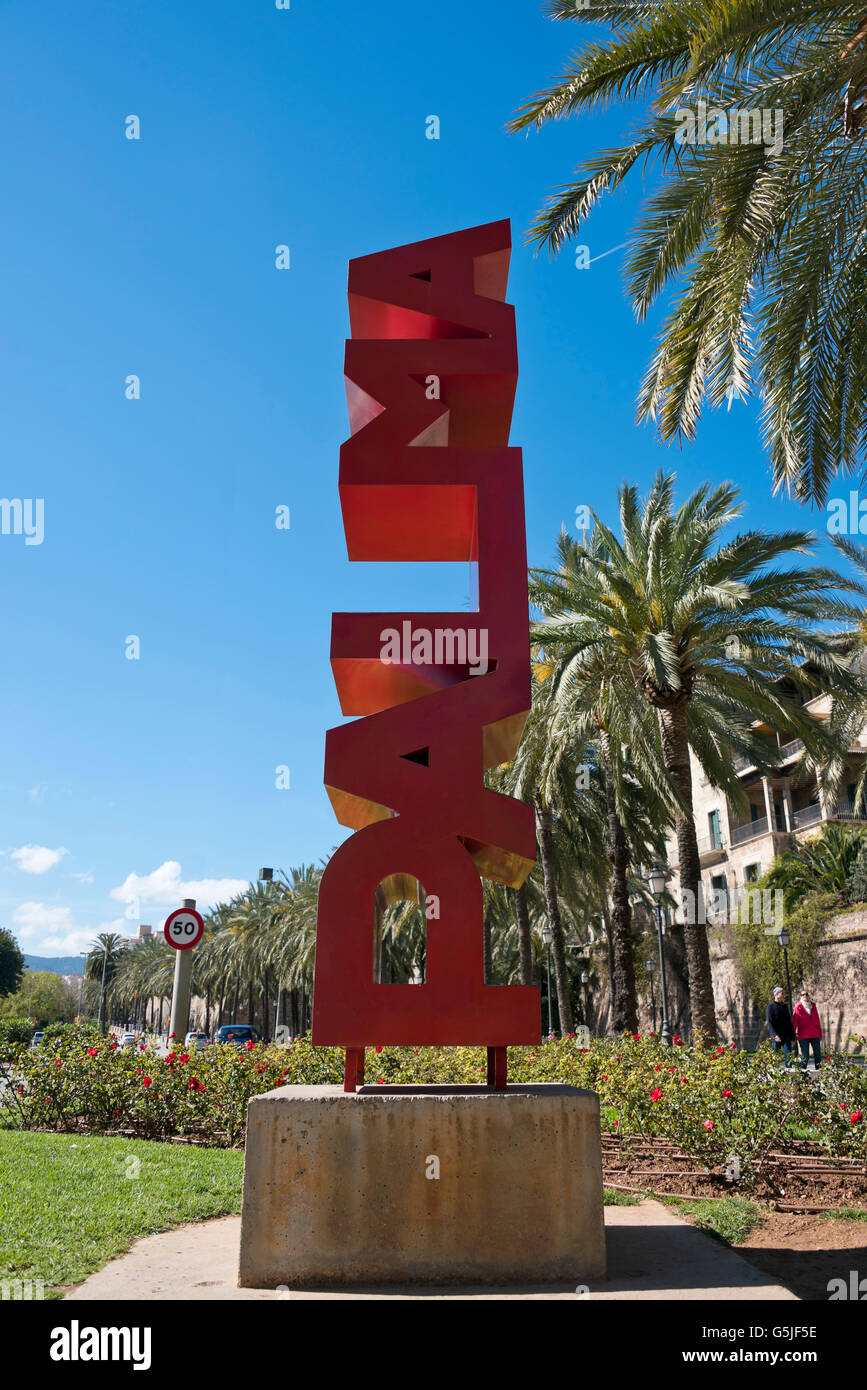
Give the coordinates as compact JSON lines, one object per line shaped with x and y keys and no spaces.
{"x":652,"y":1254}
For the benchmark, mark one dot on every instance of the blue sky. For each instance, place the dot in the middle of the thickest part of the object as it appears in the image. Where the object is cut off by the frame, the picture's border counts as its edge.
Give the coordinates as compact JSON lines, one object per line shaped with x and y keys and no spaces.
{"x":156,"y":777}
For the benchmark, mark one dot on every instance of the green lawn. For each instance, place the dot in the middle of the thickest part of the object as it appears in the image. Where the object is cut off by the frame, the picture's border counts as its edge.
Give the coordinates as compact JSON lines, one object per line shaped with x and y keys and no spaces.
{"x":68,"y":1203}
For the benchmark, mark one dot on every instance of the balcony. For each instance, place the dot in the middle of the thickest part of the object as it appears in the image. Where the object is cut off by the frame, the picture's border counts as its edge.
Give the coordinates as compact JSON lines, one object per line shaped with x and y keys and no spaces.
{"x":711,"y":850}
{"x":750,"y":831}
{"x":791,"y":749}
{"x":808,"y":815}
{"x":742,"y":764}
{"x":845,"y":810}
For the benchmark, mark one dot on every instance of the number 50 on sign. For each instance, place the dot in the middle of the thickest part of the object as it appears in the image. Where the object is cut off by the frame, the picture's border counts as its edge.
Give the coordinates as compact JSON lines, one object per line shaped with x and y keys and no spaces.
{"x":184,"y":928}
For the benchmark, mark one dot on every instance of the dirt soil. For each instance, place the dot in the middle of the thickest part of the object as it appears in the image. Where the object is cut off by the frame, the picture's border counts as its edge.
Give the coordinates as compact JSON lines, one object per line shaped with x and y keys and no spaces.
{"x":806,"y":1252}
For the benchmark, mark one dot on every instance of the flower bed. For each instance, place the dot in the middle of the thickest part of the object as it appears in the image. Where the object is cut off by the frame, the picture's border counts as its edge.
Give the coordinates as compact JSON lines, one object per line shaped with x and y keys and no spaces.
{"x":717,"y":1105}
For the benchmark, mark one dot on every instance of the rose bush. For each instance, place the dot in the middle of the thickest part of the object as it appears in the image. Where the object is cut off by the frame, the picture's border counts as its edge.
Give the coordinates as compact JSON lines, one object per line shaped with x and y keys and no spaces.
{"x":712,"y":1102}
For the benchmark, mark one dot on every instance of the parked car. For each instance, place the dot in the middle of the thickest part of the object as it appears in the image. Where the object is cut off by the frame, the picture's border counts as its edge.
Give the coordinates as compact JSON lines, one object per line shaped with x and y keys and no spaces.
{"x":196,"y":1040}
{"x":127,"y":1040}
{"x":36,"y":1040}
{"x":238,"y":1034}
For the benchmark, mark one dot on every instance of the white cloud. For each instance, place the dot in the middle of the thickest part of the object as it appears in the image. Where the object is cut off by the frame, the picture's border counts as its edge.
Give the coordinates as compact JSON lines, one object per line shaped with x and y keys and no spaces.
{"x":165,"y":887}
{"x":84,"y":878}
{"x":37,"y":859}
{"x":37,"y":793}
{"x":44,"y":930}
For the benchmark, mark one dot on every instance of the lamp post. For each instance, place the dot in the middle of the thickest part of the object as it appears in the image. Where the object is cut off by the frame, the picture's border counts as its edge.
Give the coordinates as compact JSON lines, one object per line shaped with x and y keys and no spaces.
{"x":81,"y":985}
{"x":783,"y":938}
{"x":585,"y":980}
{"x":267,"y":876}
{"x":656,"y":878}
{"x":548,"y":937}
{"x":99,"y":1023}
{"x":651,"y":966}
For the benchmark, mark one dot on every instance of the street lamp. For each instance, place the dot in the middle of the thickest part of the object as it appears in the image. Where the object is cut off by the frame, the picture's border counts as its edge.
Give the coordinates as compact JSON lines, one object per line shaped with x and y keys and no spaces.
{"x":585,"y":980}
{"x":102,"y":986}
{"x":548,"y":937}
{"x":651,"y":966}
{"x":81,"y":984}
{"x":657,"y":878}
{"x":783,"y":938}
{"x":267,"y":876}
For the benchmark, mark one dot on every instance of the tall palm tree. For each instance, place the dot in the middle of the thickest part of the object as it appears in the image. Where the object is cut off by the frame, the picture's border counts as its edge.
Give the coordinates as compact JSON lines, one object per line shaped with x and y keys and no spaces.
{"x":759,"y":215}
{"x":715,"y":635}
{"x":101,"y":964}
{"x":594,"y":705}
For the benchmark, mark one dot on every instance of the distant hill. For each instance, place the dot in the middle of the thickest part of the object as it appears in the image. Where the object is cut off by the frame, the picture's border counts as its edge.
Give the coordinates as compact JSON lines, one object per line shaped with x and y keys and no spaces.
{"x":58,"y":965}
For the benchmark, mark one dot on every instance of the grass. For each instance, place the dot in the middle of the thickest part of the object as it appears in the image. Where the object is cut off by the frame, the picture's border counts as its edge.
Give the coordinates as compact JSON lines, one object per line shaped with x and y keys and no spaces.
{"x":70,"y":1203}
{"x":731,"y":1218}
{"x":612,"y":1198}
{"x":846,"y":1214}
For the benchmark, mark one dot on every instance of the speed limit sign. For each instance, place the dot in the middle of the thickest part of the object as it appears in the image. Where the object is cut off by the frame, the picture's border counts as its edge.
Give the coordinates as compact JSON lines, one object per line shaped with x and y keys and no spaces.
{"x":184,"y":928}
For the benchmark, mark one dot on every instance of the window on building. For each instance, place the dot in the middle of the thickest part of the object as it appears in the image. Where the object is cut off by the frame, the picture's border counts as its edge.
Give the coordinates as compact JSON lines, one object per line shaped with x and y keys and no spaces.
{"x":714,"y":830}
{"x":751,"y":873}
{"x":719,"y":896}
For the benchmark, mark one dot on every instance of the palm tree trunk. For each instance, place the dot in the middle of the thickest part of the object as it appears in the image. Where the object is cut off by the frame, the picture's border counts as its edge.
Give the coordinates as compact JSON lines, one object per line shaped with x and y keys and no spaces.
{"x":675,"y":746}
{"x":545,"y":827}
{"x":624,"y":1004}
{"x":525,"y":945}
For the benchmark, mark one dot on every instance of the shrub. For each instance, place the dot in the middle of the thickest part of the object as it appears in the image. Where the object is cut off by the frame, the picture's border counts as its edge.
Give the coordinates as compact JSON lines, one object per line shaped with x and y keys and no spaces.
{"x":15,"y":1030}
{"x":758,"y":952}
{"x":716,"y":1103}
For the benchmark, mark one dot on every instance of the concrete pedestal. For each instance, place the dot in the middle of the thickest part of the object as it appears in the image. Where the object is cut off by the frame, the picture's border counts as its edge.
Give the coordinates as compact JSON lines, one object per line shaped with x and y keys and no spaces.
{"x":439,"y":1184}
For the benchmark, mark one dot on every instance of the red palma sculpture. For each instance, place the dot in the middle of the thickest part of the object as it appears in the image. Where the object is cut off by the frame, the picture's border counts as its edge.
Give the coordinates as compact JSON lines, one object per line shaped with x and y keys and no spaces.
{"x":431,"y":371}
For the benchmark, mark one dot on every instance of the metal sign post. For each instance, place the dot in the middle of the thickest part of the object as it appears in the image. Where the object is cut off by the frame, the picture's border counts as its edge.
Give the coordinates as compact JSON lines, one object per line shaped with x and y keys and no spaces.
{"x":183,"y":929}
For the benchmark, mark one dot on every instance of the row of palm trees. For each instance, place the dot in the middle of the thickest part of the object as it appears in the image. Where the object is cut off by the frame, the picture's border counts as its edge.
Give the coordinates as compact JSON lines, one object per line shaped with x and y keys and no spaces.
{"x":672,"y":635}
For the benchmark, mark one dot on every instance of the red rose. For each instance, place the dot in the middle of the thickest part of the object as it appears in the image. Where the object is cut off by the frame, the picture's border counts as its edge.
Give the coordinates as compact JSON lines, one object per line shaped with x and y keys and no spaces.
{"x":683,"y":1078}
{"x":112,"y":1046}
{"x":172,"y":1057}
{"x":855,"y":1117}
{"x":93,"y":1052}
{"x":676,"y":1040}
{"x":379,"y":1049}
{"x":184,"y":1057}
{"x":248,"y":1046}
{"x":636,"y":1037}
{"x":380,"y":1081}
{"x":709,"y":1124}
{"x":726,"y":1095}
{"x":672,"y":1071}
{"x":146,"y":1080}
{"x":57,"y":1062}
{"x":656,"y":1095}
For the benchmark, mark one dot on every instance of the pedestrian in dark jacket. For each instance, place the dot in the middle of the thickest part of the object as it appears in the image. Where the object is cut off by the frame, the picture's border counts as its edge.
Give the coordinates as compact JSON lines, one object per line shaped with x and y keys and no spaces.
{"x":780,"y":1027}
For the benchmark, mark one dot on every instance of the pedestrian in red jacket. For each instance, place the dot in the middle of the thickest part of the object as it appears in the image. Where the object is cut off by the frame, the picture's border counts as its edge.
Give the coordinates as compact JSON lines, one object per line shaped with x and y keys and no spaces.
{"x":808,"y":1029}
